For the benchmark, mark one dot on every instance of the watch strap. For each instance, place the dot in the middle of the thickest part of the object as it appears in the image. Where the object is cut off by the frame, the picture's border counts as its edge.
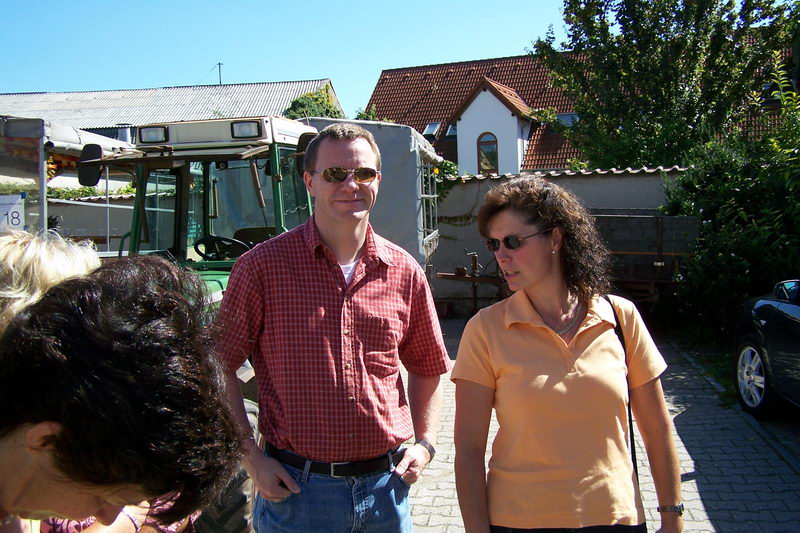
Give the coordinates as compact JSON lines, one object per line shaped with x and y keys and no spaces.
{"x":428,"y":446}
{"x":670,"y":509}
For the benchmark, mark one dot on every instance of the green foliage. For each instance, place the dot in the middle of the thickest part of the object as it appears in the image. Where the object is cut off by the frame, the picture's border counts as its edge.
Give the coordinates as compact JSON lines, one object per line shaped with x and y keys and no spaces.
{"x":314,"y":104}
{"x":543,"y":114}
{"x":70,"y":193}
{"x":747,"y":193}
{"x":369,"y":114}
{"x":577,"y":164}
{"x":652,"y":79}
{"x":13,"y":188}
{"x":445,"y":169}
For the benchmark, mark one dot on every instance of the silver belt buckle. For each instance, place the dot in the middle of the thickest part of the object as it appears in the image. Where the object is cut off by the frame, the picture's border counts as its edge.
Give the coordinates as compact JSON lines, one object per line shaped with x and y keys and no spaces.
{"x":334,"y":465}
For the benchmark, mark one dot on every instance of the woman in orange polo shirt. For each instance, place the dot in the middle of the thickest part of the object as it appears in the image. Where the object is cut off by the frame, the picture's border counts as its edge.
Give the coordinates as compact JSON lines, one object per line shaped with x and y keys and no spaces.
{"x":549,"y":362}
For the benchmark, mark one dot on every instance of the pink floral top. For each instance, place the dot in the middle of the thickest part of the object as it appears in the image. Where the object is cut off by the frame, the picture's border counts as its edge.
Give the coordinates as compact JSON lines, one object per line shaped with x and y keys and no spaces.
{"x":58,"y":525}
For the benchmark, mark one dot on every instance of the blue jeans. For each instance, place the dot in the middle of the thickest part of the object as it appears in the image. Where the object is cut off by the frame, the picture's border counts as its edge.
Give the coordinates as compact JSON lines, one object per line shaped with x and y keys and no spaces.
{"x":376,"y":503}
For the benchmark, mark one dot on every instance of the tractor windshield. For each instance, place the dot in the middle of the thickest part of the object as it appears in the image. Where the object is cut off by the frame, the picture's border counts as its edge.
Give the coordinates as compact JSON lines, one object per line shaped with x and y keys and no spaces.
{"x":216,"y":210}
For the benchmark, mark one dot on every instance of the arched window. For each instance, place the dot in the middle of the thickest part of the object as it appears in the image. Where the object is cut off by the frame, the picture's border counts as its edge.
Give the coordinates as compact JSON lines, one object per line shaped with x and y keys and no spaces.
{"x":487,"y":153}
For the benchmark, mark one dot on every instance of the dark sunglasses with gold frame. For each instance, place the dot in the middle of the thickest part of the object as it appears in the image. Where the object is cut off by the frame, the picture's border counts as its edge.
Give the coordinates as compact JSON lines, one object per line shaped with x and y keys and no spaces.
{"x":339,"y":174}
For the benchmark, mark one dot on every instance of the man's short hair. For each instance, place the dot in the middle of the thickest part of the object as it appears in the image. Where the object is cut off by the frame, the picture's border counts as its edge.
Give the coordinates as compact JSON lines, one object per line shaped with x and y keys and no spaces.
{"x":338,"y":132}
{"x":122,"y":360}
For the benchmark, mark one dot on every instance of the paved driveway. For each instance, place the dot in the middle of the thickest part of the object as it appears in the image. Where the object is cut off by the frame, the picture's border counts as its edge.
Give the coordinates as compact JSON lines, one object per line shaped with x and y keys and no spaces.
{"x":736,"y":476}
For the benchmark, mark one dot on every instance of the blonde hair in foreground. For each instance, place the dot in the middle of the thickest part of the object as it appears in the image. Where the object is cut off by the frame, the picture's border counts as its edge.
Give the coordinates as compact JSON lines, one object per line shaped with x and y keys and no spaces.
{"x":32,"y":263}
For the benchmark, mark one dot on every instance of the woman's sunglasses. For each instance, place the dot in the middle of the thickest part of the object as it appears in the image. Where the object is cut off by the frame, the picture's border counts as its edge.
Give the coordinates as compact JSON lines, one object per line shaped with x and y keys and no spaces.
{"x":512,"y":242}
{"x":339,"y":174}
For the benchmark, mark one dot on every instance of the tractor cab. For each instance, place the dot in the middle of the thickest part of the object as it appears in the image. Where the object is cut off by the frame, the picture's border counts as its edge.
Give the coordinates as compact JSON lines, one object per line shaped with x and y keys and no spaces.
{"x":209,"y":190}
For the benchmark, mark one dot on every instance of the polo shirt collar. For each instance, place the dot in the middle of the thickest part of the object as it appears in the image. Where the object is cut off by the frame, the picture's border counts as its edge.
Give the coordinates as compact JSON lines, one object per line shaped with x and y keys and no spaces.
{"x":520,"y":310}
{"x":374,"y":249}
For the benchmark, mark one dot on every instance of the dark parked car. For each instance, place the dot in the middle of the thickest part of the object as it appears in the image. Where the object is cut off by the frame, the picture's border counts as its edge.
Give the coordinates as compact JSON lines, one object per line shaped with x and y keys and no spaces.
{"x":767,"y":358}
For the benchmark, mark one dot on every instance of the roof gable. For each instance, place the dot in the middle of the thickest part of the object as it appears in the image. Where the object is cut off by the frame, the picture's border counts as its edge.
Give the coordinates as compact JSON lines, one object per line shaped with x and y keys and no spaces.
{"x":98,"y":109}
{"x":505,"y":94}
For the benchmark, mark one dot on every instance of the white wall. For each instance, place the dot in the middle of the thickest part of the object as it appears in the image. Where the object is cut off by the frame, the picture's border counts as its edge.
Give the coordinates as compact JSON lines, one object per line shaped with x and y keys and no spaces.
{"x":487,"y":113}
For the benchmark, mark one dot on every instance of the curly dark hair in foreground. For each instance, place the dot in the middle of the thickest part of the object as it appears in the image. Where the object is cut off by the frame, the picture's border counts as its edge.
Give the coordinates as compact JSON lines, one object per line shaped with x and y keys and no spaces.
{"x":122,"y":361}
{"x":584,"y":257}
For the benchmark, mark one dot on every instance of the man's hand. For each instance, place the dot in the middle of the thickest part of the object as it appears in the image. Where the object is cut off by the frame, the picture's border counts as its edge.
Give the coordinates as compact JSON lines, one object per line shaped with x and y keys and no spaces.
{"x":269,"y":476}
{"x":413,"y":463}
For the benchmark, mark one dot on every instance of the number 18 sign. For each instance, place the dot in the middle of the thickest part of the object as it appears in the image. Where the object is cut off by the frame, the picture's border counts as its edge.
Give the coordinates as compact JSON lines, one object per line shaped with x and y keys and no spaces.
{"x":12,"y":211}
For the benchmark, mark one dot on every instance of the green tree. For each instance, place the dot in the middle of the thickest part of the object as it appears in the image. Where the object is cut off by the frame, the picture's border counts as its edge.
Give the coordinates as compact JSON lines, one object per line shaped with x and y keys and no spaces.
{"x":746,"y":191}
{"x":370,"y":114}
{"x":651,"y":79}
{"x":314,"y":104}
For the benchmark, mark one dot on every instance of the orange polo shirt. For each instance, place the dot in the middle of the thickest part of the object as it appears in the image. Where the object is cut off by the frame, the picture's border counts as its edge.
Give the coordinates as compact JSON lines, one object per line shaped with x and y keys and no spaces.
{"x":560,"y":457}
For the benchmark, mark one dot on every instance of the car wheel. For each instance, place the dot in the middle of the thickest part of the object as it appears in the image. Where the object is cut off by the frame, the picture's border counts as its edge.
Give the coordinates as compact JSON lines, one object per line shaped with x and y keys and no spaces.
{"x":752,"y":384}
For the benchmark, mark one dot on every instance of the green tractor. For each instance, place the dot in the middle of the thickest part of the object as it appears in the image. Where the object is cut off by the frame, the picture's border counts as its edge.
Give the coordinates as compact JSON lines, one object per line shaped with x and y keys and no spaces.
{"x":206,"y":192}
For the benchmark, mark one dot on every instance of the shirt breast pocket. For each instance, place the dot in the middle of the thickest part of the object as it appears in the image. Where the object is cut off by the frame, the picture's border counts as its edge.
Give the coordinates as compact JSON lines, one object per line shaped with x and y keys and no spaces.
{"x":380,"y":338}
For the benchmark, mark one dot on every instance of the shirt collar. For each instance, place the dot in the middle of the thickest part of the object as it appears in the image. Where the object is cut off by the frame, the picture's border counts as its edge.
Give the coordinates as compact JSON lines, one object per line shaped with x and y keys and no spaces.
{"x":520,"y":309}
{"x":374,"y":249}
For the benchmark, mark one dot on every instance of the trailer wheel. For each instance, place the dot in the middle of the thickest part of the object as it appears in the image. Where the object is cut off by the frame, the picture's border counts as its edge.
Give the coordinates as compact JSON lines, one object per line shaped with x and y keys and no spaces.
{"x":234,"y":511}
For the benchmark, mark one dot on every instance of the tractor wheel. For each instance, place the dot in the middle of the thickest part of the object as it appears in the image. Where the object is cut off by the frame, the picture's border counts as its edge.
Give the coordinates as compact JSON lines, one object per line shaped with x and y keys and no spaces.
{"x":234,"y":511}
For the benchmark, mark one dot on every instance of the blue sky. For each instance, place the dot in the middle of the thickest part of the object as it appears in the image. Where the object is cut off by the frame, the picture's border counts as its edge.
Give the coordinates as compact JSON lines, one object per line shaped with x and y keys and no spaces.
{"x":84,"y":45}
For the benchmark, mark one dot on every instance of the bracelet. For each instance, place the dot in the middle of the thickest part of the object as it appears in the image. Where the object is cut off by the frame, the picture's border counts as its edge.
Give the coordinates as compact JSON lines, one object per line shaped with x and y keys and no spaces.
{"x":136,"y":526}
{"x":428,"y":446}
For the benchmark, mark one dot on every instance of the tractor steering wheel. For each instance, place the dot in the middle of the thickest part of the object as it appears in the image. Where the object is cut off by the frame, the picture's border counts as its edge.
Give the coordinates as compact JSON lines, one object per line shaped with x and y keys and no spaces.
{"x":215,"y":248}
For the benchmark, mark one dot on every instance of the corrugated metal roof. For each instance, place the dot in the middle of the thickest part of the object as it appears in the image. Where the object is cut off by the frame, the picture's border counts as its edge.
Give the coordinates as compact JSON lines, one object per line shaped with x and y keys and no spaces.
{"x":99,"y":109}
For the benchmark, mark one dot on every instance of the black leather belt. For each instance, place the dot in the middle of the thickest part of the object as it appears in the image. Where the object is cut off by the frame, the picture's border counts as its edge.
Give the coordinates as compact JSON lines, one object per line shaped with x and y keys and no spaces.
{"x":351,"y":469}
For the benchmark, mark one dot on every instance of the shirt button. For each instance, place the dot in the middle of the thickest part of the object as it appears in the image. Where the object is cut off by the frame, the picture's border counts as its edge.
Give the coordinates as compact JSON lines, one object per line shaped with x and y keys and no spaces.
{"x":346,"y":331}
{"x":352,"y":435}
{"x":351,"y":398}
{"x":347,"y":366}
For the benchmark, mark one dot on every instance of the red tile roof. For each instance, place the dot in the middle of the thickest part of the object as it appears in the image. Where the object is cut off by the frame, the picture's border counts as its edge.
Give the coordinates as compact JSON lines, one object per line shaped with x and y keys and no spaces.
{"x":548,"y":150}
{"x":417,"y":96}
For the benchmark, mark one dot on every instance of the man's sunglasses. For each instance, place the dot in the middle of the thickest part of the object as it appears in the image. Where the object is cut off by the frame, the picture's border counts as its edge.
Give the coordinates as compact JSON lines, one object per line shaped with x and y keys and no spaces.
{"x":512,"y":242}
{"x":339,"y":174}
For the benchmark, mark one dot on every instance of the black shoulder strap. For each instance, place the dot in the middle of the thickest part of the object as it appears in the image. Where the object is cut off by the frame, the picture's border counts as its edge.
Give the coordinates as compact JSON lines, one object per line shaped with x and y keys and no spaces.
{"x":621,"y":337}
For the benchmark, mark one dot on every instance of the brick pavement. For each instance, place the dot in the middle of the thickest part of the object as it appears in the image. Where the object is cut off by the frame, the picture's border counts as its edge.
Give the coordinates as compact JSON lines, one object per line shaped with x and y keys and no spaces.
{"x":736,"y":478}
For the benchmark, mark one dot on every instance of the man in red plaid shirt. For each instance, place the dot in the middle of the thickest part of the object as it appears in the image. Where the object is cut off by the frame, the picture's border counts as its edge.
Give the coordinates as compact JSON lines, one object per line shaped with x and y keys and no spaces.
{"x":327,"y":312}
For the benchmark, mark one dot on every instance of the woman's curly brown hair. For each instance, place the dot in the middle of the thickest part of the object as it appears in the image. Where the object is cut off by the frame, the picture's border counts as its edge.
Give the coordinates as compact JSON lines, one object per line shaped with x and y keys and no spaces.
{"x":584,"y":257}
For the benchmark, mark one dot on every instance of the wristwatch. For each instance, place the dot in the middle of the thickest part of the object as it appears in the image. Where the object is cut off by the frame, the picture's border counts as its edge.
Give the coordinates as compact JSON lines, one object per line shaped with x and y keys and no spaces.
{"x":671,"y":509}
{"x":428,"y":446}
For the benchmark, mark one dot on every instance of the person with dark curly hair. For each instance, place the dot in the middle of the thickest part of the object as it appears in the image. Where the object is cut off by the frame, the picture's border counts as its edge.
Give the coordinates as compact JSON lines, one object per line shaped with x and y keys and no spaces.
{"x":112,"y":395}
{"x":549,"y":362}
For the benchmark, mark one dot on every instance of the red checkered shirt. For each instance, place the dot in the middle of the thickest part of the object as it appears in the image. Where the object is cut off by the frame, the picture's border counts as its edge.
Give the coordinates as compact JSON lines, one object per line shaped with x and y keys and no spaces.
{"x":326,"y":353}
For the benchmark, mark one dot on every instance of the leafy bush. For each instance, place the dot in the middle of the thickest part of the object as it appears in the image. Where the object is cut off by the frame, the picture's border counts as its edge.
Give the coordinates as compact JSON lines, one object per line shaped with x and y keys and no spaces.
{"x":746,"y":190}
{"x":444,"y":170}
{"x":314,"y":104}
